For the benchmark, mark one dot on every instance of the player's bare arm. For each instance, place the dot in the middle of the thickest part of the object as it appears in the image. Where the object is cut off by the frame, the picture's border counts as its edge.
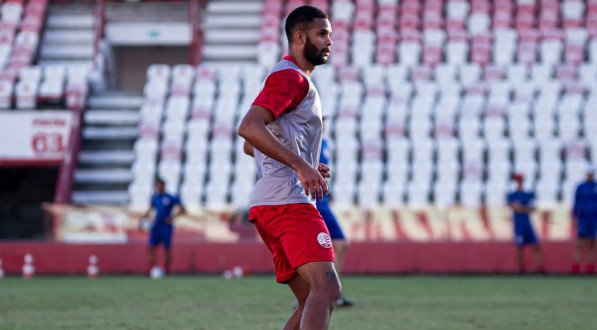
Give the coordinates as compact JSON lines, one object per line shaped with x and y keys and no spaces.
{"x":519,"y":208}
{"x":515,"y":207}
{"x":181,"y":211}
{"x":141,"y":216}
{"x":253,"y":129}
{"x":146,"y":214}
{"x":248,"y":149}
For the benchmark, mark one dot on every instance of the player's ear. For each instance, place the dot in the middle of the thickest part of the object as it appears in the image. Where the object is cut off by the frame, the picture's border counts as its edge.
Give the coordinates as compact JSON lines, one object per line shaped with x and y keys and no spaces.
{"x":300,"y":38}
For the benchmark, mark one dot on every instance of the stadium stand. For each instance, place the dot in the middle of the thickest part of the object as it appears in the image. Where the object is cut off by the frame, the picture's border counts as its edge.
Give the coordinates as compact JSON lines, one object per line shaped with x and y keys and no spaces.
{"x":433,"y":105}
{"x":24,"y":84}
{"x":435,"y":102}
{"x":204,"y":103}
{"x":232,"y":31}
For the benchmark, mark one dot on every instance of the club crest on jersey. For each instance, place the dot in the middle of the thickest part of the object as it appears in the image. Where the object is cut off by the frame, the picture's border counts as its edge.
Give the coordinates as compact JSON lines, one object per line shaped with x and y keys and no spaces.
{"x":324,"y":240}
{"x":165,"y":201}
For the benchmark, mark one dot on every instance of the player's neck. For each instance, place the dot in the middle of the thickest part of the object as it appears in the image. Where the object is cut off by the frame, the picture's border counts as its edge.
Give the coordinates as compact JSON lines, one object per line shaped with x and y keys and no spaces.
{"x":302,"y":61}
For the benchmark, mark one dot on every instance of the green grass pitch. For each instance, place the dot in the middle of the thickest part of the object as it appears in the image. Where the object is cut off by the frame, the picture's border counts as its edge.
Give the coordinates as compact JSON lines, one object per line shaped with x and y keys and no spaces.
{"x":204,"y":302}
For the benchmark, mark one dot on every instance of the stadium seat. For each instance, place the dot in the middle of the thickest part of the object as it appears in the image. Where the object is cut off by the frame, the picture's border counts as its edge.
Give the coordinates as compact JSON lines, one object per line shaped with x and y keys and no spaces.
{"x":11,"y":12}
{"x":52,"y":86}
{"x":26,"y":94}
{"x":429,"y":102}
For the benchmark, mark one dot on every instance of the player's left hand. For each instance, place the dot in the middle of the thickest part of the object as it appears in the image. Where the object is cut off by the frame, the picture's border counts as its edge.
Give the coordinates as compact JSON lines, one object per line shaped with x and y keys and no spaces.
{"x":168,"y":220}
{"x":324,"y":170}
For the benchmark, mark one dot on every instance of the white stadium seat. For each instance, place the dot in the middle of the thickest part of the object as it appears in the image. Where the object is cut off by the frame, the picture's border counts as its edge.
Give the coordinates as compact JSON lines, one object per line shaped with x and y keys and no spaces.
{"x":428,"y":103}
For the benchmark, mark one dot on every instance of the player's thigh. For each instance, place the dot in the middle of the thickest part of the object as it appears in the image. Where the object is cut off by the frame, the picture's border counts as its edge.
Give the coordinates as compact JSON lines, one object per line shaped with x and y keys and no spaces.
{"x":586,"y":229}
{"x":592,"y":229}
{"x":167,"y":239}
{"x":321,"y":276}
{"x":300,"y":288}
{"x":530,"y":237}
{"x":284,"y":270}
{"x":154,"y":238}
{"x":305,"y":238}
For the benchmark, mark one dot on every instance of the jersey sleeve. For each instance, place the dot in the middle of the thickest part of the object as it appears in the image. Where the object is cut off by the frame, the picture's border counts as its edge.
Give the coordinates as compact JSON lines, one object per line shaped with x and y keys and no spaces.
{"x":282,"y":92}
{"x":576,"y":206}
{"x":324,"y":156}
{"x":154,"y":202}
{"x":176,"y":200}
{"x":510,"y":198}
{"x":532,"y":199}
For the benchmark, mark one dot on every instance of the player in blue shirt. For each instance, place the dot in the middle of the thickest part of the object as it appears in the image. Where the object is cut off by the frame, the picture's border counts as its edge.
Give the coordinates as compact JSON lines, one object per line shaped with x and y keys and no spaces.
{"x":585,"y":214}
{"x":336,"y":234}
{"x":522,"y":204}
{"x":163,"y":227}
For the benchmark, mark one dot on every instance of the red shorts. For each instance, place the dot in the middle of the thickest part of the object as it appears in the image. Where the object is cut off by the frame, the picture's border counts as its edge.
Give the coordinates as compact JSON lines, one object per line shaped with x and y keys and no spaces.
{"x":295,"y":234}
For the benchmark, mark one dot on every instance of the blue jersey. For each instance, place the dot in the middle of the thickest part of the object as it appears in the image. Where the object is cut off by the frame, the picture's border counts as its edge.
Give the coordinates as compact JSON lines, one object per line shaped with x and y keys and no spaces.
{"x":585,"y":200}
{"x":525,"y":199}
{"x":163,"y":204}
{"x":328,"y":216}
{"x":523,"y":229}
{"x":324,"y":158}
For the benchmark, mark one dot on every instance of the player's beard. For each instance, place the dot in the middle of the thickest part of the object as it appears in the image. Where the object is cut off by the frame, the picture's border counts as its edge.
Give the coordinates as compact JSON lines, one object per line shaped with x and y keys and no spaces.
{"x":313,"y":55}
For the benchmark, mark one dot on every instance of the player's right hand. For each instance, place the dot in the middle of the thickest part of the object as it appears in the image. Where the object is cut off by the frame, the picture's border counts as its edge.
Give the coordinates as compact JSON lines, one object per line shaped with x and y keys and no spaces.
{"x":313,"y":183}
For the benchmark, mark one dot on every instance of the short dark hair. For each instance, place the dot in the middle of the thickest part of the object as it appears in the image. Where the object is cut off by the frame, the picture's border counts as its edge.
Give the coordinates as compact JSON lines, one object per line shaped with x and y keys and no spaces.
{"x":160,"y":181}
{"x":300,"y":18}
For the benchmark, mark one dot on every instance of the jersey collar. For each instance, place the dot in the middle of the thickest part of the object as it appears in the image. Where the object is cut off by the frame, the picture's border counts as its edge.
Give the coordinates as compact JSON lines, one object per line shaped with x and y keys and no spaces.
{"x":291,"y":59}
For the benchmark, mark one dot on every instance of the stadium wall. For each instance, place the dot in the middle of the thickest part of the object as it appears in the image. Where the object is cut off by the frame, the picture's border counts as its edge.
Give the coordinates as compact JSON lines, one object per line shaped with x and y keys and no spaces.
{"x":215,"y":258}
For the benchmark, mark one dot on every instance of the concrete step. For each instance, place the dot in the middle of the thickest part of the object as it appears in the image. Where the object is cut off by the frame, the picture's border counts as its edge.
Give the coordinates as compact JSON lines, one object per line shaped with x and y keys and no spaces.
{"x":72,"y":8}
{"x":232,"y":21}
{"x":52,"y":51}
{"x":246,"y":36}
{"x":217,"y":63}
{"x":115,"y":102}
{"x":77,"y":63}
{"x":226,"y":7}
{"x":68,"y":37}
{"x":144,"y":11}
{"x":226,"y":52}
{"x":109,"y":144}
{"x":77,"y":21}
{"x":103,"y":157}
{"x":110,"y":133}
{"x":100,"y":197}
{"x":112,"y":117}
{"x":103,"y":176}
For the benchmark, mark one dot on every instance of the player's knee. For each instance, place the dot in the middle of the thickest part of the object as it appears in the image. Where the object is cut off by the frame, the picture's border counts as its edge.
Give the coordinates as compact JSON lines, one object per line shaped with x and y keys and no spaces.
{"x":330,"y":288}
{"x":334,"y":290}
{"x":337,"y":291}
